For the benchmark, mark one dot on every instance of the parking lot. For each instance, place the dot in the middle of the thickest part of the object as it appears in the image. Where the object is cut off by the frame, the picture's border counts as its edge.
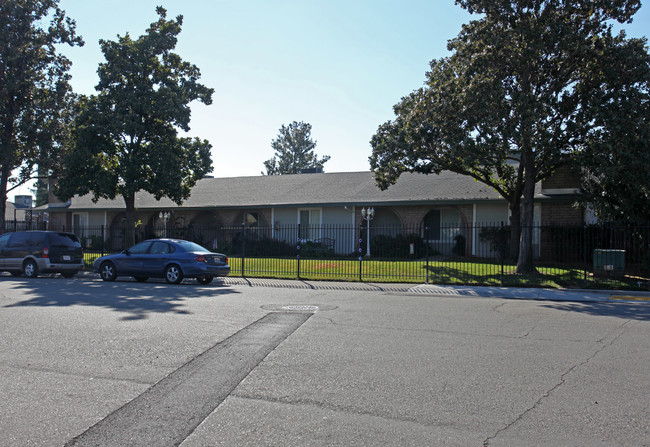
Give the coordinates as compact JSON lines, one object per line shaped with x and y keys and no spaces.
{"x":84,"y":362}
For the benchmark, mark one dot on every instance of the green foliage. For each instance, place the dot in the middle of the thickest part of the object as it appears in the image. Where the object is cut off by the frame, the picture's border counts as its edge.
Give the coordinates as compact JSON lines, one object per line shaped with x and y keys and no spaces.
{"x":521,"y":92}
{"x":399,"y":246}
{"x":613,"y":165}
{"x":35,"y":96}
{"x":316,"y":250}
{"x":498,"y":238}
{"x":459,"y":245}
{"x":294,"y":151}
{"x":254,"y":245}
{"x":125,"y":137}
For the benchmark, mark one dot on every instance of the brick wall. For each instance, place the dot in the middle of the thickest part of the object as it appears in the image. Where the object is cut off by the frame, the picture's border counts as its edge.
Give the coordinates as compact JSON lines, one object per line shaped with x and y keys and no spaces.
{"x":561,"y":214}
{"x":561,"y":179}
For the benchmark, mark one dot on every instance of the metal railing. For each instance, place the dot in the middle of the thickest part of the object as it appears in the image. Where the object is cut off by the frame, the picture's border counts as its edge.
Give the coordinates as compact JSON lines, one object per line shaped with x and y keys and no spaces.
{"x":445,"y":254}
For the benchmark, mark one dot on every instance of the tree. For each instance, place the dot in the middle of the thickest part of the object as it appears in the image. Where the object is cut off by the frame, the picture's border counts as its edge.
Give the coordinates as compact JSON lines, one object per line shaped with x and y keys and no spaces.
{"x":125,"y":137}
{"x":613,"y":166}
{"x":35,"y":95}
{"x":294,"y":151}
{"x":515,"y":99}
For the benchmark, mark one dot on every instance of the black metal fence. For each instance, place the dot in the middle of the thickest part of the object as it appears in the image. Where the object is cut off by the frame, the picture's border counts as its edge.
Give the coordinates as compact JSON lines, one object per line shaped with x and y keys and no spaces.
{"x":447,"y":254}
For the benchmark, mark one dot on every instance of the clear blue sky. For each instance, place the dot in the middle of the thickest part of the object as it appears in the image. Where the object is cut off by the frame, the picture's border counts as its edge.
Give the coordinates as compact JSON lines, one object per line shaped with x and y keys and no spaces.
{"x":339,"y":65}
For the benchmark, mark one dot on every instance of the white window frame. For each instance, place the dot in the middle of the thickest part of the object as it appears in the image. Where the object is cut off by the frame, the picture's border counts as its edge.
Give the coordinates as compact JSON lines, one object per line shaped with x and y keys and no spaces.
{"x":312,"y":234}
{"x":83,"y":223}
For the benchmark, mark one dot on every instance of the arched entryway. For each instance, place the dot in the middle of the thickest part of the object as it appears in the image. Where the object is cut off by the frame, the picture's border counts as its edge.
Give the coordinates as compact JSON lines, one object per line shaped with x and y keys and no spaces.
{"x":444,"y":231}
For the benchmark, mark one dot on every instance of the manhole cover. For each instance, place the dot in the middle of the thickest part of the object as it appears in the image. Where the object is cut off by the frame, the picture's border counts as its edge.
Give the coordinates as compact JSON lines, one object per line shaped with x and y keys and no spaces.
{"x":302,"y":307}
{"x":298,"y":307}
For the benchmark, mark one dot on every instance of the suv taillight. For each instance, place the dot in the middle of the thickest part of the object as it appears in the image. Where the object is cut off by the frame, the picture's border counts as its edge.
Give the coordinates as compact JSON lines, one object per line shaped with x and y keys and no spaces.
{"x":46,"y":252}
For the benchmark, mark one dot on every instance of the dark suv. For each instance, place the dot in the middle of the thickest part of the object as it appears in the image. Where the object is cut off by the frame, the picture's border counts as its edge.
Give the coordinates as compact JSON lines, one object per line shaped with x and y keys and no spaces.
{"x":34,"y":252}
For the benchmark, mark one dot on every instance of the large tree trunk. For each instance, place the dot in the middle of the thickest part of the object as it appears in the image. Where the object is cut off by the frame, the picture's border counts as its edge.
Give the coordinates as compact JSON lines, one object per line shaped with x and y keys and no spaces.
{"x":525,"y":260}
{"x":5,"y":172}
{"x":130,"y":220}
{"x":515,"y":229}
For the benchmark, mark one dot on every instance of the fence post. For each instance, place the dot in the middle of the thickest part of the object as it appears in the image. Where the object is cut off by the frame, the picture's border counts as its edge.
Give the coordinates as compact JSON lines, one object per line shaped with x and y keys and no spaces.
{"x":426,"y":251}
{"x":298,"y":254}
{"x":243,"y":248}
{"x":502,"y":254}
{"x":586,"y":252}
{"x":360,"y":257}
{"x":103,"y":240}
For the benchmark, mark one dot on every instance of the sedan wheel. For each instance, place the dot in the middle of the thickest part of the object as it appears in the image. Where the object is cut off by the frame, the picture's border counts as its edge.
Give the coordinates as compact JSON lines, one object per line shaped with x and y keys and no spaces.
{"x":204,"y":279}
{"x":107,"y":271}
{"x":173,"y":274}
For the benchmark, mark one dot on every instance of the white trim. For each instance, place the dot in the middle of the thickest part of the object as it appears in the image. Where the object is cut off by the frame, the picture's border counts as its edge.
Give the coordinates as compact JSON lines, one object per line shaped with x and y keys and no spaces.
{"x":474,"y":229}
{"x":560,"y":191}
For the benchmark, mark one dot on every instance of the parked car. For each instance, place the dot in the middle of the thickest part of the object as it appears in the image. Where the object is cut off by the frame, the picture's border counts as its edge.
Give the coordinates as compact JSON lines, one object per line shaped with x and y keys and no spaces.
{"x":34,"y":252}
{"x":172,"y":259}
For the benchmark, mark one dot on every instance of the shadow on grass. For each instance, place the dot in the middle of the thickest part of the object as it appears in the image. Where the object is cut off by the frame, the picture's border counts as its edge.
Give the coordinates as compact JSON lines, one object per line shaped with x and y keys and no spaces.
{"x":491,"y":274}
{"x":136,"y":300}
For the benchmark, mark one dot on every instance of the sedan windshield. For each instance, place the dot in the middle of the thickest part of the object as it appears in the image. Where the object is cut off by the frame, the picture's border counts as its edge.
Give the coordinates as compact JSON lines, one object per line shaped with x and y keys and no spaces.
{"x":192,"y":247}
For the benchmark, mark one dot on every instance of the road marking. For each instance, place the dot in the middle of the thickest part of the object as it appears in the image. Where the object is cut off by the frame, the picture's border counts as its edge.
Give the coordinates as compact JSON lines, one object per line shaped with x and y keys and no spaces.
{"x":170,"y":410}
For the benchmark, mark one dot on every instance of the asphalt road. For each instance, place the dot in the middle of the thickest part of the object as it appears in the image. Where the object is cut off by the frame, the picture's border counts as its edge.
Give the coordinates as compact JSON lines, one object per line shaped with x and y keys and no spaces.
{"x":83,"y":362}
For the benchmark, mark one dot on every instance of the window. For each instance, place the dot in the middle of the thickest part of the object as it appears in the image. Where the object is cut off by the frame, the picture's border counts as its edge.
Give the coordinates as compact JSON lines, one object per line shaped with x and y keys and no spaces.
{"x":160,"y":248}
{"x":251,"y":220}
{"x":140,"y":248}
{"x":309,"y":221}
{"x":64,"y":240}
{"x":3,"y":240}
{"x":79,"y":223}
{"x":432,"y":226}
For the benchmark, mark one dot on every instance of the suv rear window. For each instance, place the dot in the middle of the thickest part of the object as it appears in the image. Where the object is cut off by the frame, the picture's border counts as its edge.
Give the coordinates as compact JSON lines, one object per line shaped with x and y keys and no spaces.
{"x":64,"y":240}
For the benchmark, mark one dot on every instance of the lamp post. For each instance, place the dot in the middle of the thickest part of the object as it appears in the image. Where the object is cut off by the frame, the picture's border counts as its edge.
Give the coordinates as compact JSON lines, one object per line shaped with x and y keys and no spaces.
{"x":164,"y":216}
{"x":367,"y":216}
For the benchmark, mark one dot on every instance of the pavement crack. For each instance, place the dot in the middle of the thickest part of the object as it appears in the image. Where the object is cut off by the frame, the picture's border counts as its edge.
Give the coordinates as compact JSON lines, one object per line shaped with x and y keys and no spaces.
{"x":560,"y":383}
{"x":76,"y":374}
{"x":334,"y":408}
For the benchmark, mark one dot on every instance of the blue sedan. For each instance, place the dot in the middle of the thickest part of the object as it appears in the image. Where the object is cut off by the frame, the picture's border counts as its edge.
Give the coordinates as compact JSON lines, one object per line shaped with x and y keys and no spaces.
{"x":172,"y":259}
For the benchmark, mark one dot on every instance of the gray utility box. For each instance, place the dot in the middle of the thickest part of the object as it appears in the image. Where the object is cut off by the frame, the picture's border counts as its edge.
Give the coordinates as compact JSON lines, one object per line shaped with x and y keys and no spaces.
{"x":609,"y":263}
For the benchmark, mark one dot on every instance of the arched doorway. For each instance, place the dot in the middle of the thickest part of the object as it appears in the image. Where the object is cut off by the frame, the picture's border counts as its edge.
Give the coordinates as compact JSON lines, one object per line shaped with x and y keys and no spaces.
{"x":443,"y":230}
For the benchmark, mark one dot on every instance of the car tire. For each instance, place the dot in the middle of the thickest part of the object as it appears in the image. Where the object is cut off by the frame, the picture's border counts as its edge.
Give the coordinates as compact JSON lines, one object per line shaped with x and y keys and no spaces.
{"x":68,"y":274}
{"x":141,"y":278}
{"x":173,"y":274}
{"x":30,"y":269}
{"x":107,"y":271}
{"x":203,"y":280}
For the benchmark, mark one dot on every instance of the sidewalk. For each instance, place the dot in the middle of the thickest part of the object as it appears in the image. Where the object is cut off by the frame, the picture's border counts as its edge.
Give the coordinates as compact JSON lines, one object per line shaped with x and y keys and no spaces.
{"x":448,"y":290}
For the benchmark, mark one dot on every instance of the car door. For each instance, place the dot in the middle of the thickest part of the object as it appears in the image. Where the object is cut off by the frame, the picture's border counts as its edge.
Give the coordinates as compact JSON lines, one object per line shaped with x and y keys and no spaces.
{"x":154,"y":262}
{"x":3,"y":250}
{"x":16,"y":250}
{"x":131,"y":263}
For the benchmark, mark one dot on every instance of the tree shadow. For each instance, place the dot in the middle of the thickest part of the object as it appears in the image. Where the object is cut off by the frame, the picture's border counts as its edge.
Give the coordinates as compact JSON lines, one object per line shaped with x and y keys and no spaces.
{"x":136,"y":300}
{"x":619,"y":309}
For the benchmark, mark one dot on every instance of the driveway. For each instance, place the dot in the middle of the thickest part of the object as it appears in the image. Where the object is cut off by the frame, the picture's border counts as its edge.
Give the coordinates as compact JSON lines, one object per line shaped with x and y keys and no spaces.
{"x":83,"y":362}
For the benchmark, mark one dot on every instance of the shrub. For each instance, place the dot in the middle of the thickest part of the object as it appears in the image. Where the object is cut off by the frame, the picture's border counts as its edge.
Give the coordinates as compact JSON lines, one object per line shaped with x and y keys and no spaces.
{"x":498,"y":238}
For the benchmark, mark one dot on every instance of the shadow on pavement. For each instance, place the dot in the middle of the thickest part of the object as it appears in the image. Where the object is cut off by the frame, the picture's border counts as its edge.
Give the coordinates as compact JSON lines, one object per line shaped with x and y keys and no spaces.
{"x":137,"y":300}
{"x":627,"y":310}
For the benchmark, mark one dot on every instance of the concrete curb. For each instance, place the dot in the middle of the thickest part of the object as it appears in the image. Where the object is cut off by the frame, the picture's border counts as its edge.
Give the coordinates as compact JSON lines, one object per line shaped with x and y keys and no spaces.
{"x":523,"y":293}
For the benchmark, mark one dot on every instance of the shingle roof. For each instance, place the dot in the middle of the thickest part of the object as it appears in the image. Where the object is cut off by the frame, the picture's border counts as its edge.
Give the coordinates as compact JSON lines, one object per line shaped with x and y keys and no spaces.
{"x":341,"y":188}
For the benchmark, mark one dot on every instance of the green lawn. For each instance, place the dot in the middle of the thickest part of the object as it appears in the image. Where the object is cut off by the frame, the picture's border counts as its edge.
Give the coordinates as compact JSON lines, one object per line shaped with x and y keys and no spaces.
{"x":458,"y":272}
{"x":445,"y":272}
